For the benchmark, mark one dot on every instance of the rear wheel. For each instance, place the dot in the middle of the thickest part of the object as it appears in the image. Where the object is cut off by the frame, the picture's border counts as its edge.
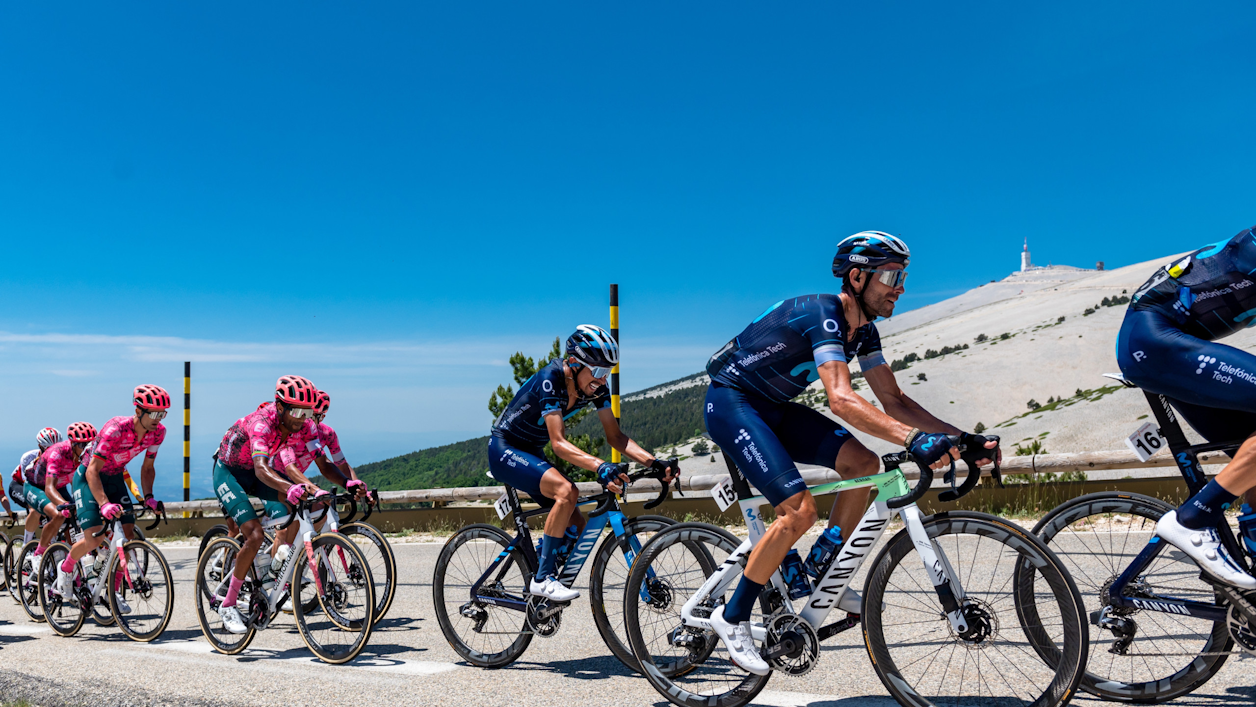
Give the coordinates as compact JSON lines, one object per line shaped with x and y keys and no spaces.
{"x":4,"y":562}
{"x":213,"y":577}
{"x":216,"y":531}
{"x":145,"y":585}
{"x":65,"y":614}
{"x":609,"y":576}
{"x":380,"y":561}
{"x":339,"y":632}
{"x":484,"y":634}
{"x":11,"y":548}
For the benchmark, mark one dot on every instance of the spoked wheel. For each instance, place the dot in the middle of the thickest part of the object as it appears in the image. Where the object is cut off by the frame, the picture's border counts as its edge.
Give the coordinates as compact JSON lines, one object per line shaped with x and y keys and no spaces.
{"x":4,"y":562}
{"x":213,"y":577}
{"x":1138,"y":656}
{"x":26,"y":567}
{"x":141,"y":592}
{"x":11,"y":548}
{"x":102,"y":610}
{"x":65,"y":615}
{"x":687,"y":665}
{"x":216,"y":531}
{"x":339,"y":632}
{"x":609,"y":577}
{"x":921,"y":659}
{"x":380,"y":561}
{"x":484,"y":635}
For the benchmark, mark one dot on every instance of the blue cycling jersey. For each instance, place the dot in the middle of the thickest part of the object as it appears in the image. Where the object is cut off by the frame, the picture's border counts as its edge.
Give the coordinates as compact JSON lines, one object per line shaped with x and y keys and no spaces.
{"x":777,"y":355}
{"x":1210,"y":293}
{"x":522,"y":423}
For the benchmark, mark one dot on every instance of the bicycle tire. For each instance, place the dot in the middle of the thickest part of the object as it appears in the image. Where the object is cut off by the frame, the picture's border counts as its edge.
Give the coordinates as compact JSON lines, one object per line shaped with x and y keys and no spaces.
{"x":488,"y":534}
{"x":28,"y":586}
{"x":1177,"y":680}
{"x":8,"y":567}
{"x":52,"y":604}
{"x":663,"y":675}
{"x":337,"y":595}
{"x":4,"y":562}
{"x":139,"y":584}
{"x":608,"y":622}
{"x":215,"y":531}
{"x":385,"y":580}
{"x":209,"y":581}
{"x":1051,"y":685}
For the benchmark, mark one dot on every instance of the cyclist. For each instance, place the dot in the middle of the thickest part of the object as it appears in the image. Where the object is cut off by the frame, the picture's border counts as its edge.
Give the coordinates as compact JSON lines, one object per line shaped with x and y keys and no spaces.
{"x":47,"y":478}
{"x":749,"y":412}
{"x":242,"y":468}
{"x":99,"y":486}
{"x":18,"y":489}
{"x":535,"y":416}
{"x":1167,"y":345}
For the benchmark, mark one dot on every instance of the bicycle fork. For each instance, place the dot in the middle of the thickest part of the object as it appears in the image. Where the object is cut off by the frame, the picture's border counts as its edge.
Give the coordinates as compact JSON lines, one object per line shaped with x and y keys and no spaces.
{"x":945,"y":581}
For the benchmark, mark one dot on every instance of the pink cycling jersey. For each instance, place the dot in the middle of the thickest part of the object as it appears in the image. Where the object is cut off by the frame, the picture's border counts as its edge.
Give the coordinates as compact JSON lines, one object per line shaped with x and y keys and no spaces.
{"x":116,"y":445}
{"x":301,"y":448}
{"x":326,"y":442}
{"x":259,"y":434}
{"x":58,"y":460}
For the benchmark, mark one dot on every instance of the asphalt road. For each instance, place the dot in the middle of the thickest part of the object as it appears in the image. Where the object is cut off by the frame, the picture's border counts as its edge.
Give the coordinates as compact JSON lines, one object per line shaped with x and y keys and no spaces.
{"x":407,"y":662}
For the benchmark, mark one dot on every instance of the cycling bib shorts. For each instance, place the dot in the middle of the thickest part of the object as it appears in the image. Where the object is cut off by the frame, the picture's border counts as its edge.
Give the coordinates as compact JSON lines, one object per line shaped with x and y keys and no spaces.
{"x":17,"y":492}
{"x":35,"y":497}
{"x":765,"y":438}
{"x":88,"y":510}
{"x":233,"y":486}
{"x":518,"y":468}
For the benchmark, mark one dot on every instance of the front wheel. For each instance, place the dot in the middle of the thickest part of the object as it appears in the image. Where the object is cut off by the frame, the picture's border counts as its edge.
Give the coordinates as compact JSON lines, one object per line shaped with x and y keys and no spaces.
{"x":11,"y":547}
{"x":921,"y":659}
{"x":380,"y":561}
{"x":609,"y":576}
{"x":215,"y":531}
{"x":483,"y":632}
{"x":141,"y":592}
{"x":339,"y":632}
{"x":213,"y":578}
{"x":65,"y":615}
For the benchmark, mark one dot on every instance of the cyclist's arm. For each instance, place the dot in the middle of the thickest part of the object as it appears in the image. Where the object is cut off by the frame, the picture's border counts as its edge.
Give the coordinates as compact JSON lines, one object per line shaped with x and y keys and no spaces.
{"x":268,"y":476}
{"x":340,"y":474}
{"x":618,"y":440}
{"x":50,"y":488}
{"x":92,"y":475}
{"x":566,"y":450}
{"x":148,"y":473}
{"x":854,"y":410}
{"x":898,"y":405}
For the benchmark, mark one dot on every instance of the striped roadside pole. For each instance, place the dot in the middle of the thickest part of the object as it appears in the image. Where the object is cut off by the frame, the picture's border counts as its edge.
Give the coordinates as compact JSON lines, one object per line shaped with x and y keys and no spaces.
{"x":615,"y":455}
{"x":187,"y":432}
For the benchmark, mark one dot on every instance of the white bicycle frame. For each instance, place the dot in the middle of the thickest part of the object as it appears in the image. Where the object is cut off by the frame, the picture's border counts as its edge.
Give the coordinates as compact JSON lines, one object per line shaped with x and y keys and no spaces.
{"x":854,"y":550}
{"x":305,"y":534}
{"x":117,"y":539}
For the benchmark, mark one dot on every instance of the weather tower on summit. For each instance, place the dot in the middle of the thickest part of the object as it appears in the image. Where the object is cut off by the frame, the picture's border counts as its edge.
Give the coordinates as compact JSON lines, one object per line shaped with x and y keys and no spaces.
{"x":1025,"y":264}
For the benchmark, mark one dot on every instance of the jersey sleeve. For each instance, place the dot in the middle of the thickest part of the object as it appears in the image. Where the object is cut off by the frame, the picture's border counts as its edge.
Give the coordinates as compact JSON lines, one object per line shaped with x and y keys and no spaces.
{"x":331,"y":444}
{"x":603,"y":399}
{"x":824,"y":325}
{"x":261,"y":432}
{"x":552,"y":391}
{"x":158,"y":438}
{"x":106,"y":441}
{"x":870,"y":355}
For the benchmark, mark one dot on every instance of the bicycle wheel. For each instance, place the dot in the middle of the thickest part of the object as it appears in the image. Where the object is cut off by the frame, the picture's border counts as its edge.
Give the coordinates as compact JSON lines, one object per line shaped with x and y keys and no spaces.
{"x":380,"y":561}
{"x":922,"y":660}
{"x":102,"y":610}
{"x":688,"y":666}
{"x":1097,"y":536}
{"x":145,"y":585}
{"x":65,"y":615}
{"x":342,"y":629}
{"x":484,"y":634}
{"x":10,"y":554}
{"x":4,"y":562}
{"x":27,"y":565}
{"x":215,"y":531}
{"x":213,"y":577}
{"x":609,"y":576}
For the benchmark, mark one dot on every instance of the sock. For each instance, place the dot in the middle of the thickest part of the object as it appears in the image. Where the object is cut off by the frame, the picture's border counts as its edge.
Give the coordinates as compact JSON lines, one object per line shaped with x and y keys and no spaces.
{"x":742,"y":602}
{"x":548,"y":560}
{"x":1206,"y":508}
{"x":28,"y":536}
{"x":39,"y":550}
{"x":232,"y":592}
{"x":67,"y":565}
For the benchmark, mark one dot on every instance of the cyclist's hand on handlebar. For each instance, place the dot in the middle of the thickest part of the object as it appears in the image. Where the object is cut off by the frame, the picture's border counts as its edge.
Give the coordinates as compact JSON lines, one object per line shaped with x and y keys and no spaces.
{"x":151,"y":503}
{"x":295,"y":493}
{"x":357,"y":486}
{"x":111,"y":511}
{"x":933,"y":449}
{"x":669,"y":472}
{"x":973,"y":442}
{"x":613,"y":477}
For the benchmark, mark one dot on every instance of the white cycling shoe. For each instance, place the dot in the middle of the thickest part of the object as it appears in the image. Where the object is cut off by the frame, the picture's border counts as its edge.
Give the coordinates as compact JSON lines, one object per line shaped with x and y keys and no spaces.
{"x":552,"y":589}
{"x":232,"y":621}
{"x":739,"y":642}
{"x":65,"y":584}
{"x":1205,"y":548}
{"x":123,"y":607}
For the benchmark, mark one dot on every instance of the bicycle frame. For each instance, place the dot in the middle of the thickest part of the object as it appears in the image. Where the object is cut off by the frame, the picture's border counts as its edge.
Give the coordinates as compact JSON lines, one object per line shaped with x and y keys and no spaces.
{"x":836,"y":580}
{"x":284,"y":581}
{"x":1187,"y":458}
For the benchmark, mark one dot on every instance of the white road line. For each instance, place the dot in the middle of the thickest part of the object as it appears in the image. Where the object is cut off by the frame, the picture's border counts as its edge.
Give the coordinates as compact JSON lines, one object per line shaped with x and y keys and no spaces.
{"x":780,"y":698}
{"x":20,"y":630}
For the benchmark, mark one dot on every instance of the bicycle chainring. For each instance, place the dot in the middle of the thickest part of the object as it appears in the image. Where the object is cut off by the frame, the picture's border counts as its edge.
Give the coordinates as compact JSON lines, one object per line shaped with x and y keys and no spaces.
{"x":791,"y":645}
{"x":1241,"y":630}
{"x":544,"y":618}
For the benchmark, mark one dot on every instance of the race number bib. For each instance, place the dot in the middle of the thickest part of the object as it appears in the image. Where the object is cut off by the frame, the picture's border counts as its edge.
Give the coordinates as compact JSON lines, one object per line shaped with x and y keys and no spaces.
{"x":724,"y":494}
{"x":502,"y":506}
{"x":1146,"y":441}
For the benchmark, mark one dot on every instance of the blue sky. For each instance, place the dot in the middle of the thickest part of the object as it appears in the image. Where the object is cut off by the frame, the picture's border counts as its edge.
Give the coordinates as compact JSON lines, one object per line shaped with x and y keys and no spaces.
{"x":393,"y":198}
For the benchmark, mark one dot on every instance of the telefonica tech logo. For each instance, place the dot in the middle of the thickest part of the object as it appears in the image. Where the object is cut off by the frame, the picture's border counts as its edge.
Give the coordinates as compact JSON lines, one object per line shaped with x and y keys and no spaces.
{"x":744,"y":435}
{"x":1204,"y":361}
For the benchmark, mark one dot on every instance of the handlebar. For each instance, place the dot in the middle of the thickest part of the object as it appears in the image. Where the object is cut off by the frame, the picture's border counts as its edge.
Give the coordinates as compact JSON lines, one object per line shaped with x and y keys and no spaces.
{"x":968,"y":455}
{"x":608,"y":497}
{"x":307,"y":502}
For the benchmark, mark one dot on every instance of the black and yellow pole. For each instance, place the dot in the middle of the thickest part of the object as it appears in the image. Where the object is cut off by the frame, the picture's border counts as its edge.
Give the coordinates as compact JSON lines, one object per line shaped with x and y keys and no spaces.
{"x":615,"y":456}
{"x":187,"y":430}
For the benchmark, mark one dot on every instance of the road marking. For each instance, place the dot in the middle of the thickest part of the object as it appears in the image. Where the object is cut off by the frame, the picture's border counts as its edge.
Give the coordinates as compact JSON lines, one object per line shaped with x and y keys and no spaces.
{"x":416,"y":668}
{"x":780,"y":698}
{"x":19,"y":630}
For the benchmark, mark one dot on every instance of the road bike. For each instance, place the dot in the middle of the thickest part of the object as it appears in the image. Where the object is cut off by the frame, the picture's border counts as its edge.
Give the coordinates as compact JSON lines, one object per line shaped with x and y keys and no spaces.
{"x":1167,"y":626}
{"x":963,"y":624}
{"x":480,"y":584}
{"x":335,"y":622}
{"x":128,"y":584}
{"x":370,"y":540}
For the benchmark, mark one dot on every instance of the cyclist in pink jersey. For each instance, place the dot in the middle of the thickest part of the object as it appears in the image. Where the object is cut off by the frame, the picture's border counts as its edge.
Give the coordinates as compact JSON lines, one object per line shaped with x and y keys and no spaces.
{"x":99,"y":484}
{"x":244,"y":467}
{"x":52,"y":473}
{"x":31,"y":497}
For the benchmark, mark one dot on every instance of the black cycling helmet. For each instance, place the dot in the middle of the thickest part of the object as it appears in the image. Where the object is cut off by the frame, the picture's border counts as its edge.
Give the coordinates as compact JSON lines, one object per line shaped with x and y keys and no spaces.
{"x":869,"y":250}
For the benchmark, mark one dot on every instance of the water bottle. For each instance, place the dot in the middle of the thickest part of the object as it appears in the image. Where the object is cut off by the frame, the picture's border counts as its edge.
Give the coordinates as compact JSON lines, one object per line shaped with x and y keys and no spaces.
{"x":281,"y":558}
{"x":87,"y":566}
{"x":98,"y":565}
{"x":1247,"y":528}
{"x":261,"y":566}
{"x":823,"y":552}
{"x":795,"y":577}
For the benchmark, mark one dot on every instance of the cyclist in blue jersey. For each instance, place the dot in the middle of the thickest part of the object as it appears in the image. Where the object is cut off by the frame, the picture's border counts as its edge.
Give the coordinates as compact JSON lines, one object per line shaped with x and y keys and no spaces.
{"x":535,"y":417}
{"x":750,"y":415}
{"x":1167,"y":346}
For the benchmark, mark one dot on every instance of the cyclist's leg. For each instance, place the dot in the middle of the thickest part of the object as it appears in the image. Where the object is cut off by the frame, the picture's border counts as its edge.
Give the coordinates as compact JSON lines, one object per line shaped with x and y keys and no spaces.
{"x":276,"y":510}
{"x":812,"y":438}
{"x":234,"y":497}
{"x":17,"y":494}
{"x":38,"y":500}
{"x":1217,"y":425}
{"x":743,"y":426}
{"x":530,"y":473}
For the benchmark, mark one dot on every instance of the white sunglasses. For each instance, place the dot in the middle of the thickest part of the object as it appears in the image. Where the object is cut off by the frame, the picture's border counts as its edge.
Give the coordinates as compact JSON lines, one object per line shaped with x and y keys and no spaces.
{"x":157,"y":414}
{"x":890,"y":278}
{"x":301,"y":413}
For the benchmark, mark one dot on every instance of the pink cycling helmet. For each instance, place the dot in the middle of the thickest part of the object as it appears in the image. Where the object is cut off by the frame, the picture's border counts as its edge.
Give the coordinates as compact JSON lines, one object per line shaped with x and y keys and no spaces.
{"x":81,"y":432}
{"x":151,"y":397}
{"x":322,"y":401}
{"x":295,"y":391}
{"x":47,"y":437}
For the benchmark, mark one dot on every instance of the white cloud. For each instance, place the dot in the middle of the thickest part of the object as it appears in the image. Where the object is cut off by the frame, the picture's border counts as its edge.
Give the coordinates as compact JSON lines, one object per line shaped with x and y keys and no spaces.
{"x":73,"y":373}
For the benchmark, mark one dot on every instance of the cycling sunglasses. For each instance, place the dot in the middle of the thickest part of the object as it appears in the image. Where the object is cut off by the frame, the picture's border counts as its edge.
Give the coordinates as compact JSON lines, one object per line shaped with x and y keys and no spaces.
{"x":156,"y":415}
{"x":599,"y":371}
{"x":890,"y":278}
{"x":301,"y":413}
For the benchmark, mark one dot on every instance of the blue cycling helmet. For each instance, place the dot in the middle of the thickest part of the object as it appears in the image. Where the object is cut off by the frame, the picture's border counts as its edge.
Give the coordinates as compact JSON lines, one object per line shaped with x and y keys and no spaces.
{"x":592,"y":345}
{"x":869,"y":250}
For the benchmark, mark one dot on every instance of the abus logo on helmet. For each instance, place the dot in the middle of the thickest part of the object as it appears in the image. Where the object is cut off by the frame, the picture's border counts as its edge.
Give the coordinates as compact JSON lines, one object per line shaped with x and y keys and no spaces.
{"x":857,"y":259}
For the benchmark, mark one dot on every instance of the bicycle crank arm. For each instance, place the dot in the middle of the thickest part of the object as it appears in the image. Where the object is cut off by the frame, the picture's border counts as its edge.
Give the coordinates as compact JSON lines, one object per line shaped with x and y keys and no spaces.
{"x":827,"y":632}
